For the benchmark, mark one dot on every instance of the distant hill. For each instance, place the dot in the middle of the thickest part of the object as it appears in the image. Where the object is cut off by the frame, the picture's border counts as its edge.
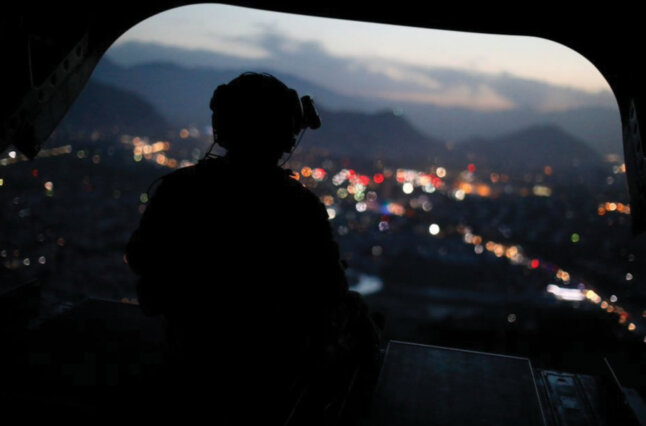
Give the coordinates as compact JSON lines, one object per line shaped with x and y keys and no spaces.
{"x":381,"y":135}
{"x":182,"y":94}
{"x":367,"y":136}
{"x":196,"y":71}
{"x":531,"y":149}
{"x":598,"y":127}
{"x":110,"y":110}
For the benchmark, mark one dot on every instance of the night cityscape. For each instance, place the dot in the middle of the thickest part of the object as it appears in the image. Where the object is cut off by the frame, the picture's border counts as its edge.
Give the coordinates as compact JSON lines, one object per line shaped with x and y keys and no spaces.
{"x":485,"y":192}
{"x":463,"y":256}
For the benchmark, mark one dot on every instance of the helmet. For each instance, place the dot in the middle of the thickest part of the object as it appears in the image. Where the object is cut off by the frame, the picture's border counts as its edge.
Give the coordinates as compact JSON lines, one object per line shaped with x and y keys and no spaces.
{"x":258,"y":113}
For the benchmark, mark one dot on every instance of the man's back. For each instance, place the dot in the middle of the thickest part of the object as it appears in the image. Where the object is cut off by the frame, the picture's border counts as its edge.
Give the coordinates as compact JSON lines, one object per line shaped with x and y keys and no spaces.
{"x":237,"y":258}
{"x":240,"y":260}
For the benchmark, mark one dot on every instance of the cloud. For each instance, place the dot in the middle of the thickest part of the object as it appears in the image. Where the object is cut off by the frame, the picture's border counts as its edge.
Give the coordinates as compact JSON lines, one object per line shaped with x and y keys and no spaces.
{"x":396,"y":81}
{"x":393,"y":80}
{"x":481,"y":98}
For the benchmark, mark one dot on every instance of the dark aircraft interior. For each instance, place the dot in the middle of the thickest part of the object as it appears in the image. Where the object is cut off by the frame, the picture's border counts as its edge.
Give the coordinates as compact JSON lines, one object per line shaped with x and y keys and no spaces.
{"x":49,"y":57}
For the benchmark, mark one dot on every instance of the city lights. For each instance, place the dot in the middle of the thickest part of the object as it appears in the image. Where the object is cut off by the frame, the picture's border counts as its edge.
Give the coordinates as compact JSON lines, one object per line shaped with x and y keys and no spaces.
{"x":489,"y":216}
{"x":562,"y":293}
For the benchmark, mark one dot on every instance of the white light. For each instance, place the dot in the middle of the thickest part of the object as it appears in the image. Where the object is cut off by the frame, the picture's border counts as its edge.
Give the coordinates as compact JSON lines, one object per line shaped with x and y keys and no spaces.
{"x":441,"y":172}
{"x":368,"y":284}
{"x":561,"y":293}
{"x":478,"y":249}
{"x":629,"y":276}
{"x":331,"y":213}
{"x":459,"y":195}
{"x":361,"y":207}
{"x":613,"y":298}
{"x":12,"y":154}
{"x":434,"y":229}
{"x":428,"y":188}
{"x":407,"y":188}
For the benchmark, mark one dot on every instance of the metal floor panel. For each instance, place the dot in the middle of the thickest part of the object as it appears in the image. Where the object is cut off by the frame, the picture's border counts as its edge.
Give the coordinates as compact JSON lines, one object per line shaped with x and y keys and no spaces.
{"x":429,"y":385}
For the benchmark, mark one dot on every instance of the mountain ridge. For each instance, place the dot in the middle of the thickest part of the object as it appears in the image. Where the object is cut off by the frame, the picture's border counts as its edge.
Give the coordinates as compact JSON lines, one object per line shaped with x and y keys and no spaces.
{"x":381,"y":135}
{"x":597,"y":125}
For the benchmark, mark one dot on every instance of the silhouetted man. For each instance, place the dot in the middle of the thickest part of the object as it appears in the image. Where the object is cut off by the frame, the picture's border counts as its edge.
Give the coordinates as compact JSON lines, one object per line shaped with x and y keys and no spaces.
{"x":239,"y":257}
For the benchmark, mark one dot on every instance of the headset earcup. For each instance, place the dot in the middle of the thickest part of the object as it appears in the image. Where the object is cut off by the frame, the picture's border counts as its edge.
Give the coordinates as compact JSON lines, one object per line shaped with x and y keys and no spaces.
{"x":293,"y":104}
{"x":297,"y":108}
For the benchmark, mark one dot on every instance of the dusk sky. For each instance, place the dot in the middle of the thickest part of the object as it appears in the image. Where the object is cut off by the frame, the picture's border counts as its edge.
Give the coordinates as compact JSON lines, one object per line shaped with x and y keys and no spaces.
{"x":398,"y":63}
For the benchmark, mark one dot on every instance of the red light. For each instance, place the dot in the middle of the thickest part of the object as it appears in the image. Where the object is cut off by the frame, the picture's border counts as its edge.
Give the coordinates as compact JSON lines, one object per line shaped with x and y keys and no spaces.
{"x":535,"y":263}
{"x":34,"y":173}
{"x":318,"y":174}
{"x":471,"y":167}
{"x":352,"y":176}
{"x":364,"y":180}
{"x":378,"y":178}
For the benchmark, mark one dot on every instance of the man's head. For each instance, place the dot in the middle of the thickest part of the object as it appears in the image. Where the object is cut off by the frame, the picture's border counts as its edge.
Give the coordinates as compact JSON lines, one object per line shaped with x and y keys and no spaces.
{"x":256,"y":116}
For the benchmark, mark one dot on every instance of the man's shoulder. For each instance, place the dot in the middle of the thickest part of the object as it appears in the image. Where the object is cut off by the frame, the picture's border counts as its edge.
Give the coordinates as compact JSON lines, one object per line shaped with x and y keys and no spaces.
{"x":189,"y":176}
{"x":298,"y":189}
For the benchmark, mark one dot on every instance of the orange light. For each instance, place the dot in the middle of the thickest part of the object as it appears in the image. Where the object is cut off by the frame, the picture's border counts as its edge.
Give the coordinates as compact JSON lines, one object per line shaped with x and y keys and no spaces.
{"x":401,"y":176}
{"x":161,"y":159}
{"x":484,"y":190}
{"x":466,"y":187}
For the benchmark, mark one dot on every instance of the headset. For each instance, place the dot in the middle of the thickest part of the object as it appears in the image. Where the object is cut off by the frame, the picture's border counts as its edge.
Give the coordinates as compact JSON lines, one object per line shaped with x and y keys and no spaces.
{"x":285,"y":113}
{"x":256,"y":104}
